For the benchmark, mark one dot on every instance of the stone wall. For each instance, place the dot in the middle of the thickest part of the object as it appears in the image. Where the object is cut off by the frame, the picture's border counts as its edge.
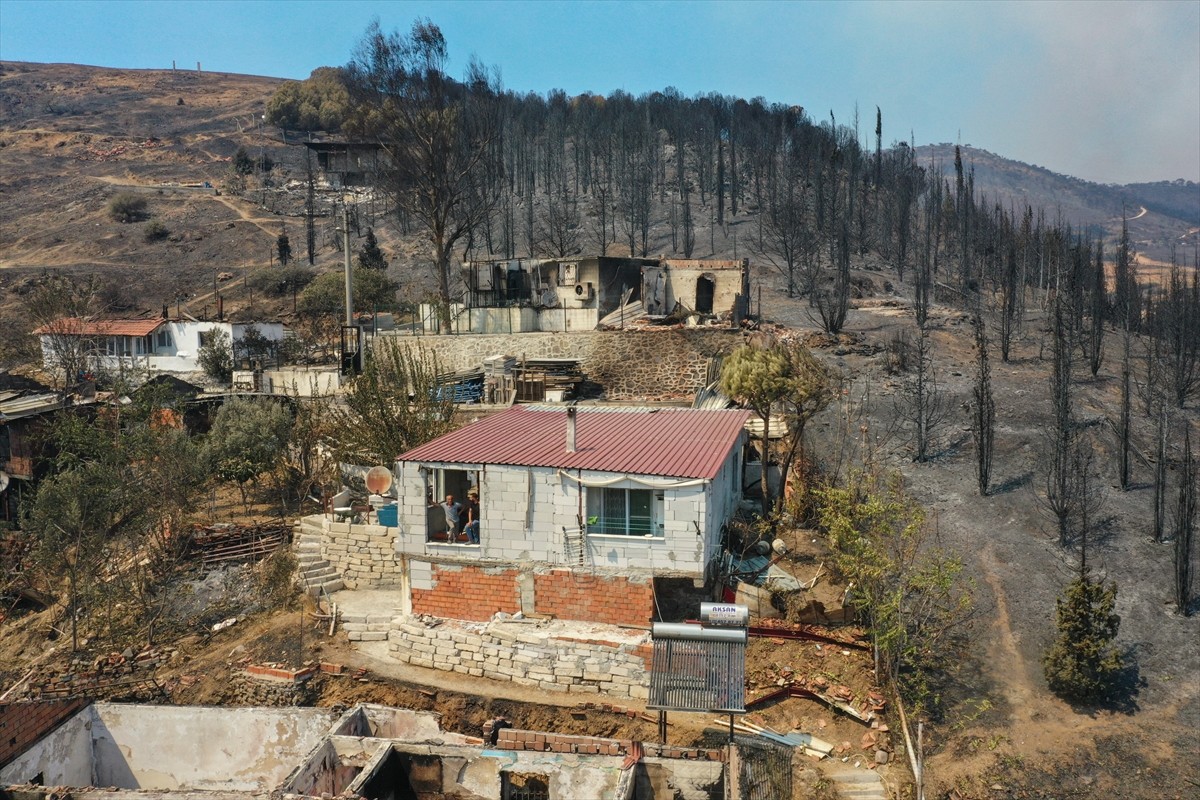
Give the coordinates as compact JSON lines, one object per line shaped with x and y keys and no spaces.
{"x":644,"y":364}
{"x":527,"y":654}
{"x":364,"y":555}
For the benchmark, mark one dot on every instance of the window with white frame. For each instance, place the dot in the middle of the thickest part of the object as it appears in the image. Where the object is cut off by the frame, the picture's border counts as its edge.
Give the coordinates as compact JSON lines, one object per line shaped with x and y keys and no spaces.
{"x":624,"y":512}
{"x":163,"y":339}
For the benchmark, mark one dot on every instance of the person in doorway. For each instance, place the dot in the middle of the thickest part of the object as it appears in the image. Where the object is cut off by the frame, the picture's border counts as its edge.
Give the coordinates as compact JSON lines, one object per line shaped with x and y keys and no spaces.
{"x":472,"y":526}
{"x":453,"y":517}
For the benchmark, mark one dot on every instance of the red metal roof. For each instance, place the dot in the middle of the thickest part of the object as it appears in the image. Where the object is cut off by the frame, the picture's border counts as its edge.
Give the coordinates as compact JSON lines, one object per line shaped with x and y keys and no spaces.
{"x":72,"y":326}
{"x":672,"y":442}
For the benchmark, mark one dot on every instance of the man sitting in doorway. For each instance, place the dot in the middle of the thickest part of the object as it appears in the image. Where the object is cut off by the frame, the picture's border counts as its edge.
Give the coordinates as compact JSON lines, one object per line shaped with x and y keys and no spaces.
{"x":472,"y":527}
{"x":453,"y":517}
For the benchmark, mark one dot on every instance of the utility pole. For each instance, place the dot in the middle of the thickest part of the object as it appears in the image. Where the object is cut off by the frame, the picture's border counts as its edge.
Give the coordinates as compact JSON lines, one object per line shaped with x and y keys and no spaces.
{"x":346,"y":253}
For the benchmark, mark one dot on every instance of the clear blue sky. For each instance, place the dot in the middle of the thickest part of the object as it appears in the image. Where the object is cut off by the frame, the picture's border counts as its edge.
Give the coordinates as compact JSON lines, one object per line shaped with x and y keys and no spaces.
{"x":1108,"y":91}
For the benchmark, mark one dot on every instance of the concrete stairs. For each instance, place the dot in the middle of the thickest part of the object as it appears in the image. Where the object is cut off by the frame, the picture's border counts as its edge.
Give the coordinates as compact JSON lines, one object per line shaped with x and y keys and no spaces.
{"x":316,"y":574}
{"x":854,"y":783}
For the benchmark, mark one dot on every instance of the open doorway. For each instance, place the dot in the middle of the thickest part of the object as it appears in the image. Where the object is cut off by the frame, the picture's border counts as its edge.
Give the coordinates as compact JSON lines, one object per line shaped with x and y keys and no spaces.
{"x":706,"y":287}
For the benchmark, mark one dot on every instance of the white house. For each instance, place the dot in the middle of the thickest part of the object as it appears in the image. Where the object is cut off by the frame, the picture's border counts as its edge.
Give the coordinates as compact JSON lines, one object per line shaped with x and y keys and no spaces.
{"x":581,"y":511}
{"x":159,"y":344}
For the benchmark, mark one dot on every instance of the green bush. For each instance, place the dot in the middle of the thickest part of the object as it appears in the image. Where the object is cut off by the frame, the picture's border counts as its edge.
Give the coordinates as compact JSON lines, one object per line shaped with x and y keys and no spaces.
{"x":156,"y":231}
{"x":127,"y":207}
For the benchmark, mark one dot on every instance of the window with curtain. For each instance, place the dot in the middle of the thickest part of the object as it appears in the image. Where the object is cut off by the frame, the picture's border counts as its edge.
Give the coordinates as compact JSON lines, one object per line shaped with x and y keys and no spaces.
{"x":627,"y":512}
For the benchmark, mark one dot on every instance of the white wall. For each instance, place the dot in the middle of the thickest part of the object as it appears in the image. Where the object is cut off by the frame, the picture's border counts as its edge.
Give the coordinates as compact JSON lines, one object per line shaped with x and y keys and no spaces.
{"x":203,"y":748}
{"x":182,"y":352}
{"x":64,"y":757}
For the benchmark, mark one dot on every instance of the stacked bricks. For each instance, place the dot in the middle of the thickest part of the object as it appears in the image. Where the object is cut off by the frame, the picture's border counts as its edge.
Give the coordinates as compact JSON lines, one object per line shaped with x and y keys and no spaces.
{"x":526,"y":657}
{"x":514,"y":739}
{"x":617,"y":360}
{"x":474,"y":593}
{"x":23,"y":724}
{"x":615,"y":600}
{"x":97,"y":677}
{"x":364,"y":555}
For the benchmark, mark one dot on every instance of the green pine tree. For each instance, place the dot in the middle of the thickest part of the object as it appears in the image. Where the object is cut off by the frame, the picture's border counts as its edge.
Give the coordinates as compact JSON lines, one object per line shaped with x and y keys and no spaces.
{"x":1082,"y":664}
{"x":371,"y":257}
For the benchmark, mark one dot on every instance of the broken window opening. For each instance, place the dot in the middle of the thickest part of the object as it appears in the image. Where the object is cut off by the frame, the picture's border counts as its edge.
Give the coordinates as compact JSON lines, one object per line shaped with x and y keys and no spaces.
{"x":445,"y":523}
{"x":516,"y":786}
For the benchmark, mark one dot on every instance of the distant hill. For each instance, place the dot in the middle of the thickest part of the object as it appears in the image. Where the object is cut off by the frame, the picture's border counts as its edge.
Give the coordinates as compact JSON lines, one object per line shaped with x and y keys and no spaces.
{"x":1172,"y":208}
{"x":72,"y":137}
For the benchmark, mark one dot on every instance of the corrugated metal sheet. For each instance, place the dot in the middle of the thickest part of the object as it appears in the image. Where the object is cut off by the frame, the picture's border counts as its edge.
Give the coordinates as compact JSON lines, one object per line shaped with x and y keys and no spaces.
{"x":29,"y":405}
{"x":72,"y":326}
{"x":669,"y":442}
{"x":698,"y":676}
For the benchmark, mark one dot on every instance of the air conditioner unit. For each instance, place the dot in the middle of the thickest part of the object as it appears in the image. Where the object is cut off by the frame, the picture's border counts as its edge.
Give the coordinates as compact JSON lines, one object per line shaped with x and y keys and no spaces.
{"x":584,"y":292}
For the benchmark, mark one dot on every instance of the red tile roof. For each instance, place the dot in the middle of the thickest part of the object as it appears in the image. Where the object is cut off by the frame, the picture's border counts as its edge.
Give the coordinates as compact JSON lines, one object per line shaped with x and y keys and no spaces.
{"x":671,"y":442}
{"x":72,"y":326}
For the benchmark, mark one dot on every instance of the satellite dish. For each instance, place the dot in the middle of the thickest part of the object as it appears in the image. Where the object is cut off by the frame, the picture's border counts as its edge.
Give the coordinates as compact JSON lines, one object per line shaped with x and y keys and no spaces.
{"x":3,"y":480}
{"x":379,"y":480}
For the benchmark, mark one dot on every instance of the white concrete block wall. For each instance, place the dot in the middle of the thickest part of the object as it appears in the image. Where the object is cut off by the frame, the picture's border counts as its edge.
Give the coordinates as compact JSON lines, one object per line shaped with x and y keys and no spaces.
{"x":512,"y":496}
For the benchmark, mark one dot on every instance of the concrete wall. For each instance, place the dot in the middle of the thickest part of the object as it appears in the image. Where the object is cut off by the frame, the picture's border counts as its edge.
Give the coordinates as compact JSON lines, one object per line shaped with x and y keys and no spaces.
{"x":546,"y":657}
{"x":675,"y":281}
{"x":648,"y":364}
{"x":202,"y":748}
{"x":63,"y":757}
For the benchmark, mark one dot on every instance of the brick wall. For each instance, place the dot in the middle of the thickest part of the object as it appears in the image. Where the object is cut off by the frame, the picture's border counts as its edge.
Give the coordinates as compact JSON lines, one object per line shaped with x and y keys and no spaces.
{"x":646,"y":364}
{"x":515,"y":739}
{"x":614,"y":600}
{"x":23,"y":724}
{"x":474,"y":593}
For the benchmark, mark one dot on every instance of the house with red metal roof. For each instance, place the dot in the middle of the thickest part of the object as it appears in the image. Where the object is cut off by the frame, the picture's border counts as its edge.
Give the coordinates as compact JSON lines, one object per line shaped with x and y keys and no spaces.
{"x":154,"y":343}
{"x":579,"y":510}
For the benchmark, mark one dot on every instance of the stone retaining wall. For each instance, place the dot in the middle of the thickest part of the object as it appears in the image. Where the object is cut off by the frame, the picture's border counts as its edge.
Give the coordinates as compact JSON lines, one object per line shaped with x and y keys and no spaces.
{"x":529,"y":657}
{"x":364,"y":555}
{"x":644,"y":364}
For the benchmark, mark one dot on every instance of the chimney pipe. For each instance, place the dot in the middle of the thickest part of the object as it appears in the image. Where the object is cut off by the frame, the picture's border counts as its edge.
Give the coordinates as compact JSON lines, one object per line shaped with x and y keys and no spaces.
{"x":571,"y":411}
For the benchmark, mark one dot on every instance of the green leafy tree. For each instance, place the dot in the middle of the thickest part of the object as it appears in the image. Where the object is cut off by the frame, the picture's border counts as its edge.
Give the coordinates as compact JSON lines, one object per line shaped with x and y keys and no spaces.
{"x":247,"y":439}
{"x":104,"y":525}
{"x":759,"y":378}
{"x":216,"y":356}
{"x":370,"y":256}
{"x":1082,"y":665}
{"x":318,"y":103}
{"x":326,"y":295}
{"x":910,"y":593}
{"x":393,"y":406}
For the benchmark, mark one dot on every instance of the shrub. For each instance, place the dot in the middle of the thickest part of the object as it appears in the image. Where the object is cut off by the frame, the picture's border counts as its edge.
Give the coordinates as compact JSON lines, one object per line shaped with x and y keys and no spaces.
{"x":127,"y":207}
{"x":216,"y":356}
{"x":156,"y":231}
{"x":281,"y":282}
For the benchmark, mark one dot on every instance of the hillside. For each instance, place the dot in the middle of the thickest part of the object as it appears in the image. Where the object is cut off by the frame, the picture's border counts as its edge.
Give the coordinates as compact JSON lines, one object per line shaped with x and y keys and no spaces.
{"x":1160,"y":214}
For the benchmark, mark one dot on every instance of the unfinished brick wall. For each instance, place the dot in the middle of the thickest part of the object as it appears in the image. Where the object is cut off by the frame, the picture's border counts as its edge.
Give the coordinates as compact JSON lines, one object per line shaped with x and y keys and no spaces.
{"x":474,"y":593}
{"x":614,"y":600}
{"x":537,"y":741}
{"x":23,"y":724}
